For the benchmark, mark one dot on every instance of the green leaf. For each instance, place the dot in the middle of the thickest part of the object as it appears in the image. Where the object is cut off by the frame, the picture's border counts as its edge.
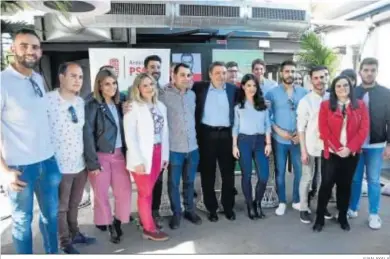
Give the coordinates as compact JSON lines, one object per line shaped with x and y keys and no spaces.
{"x":11,"y":6}
{"x":314,"y":52}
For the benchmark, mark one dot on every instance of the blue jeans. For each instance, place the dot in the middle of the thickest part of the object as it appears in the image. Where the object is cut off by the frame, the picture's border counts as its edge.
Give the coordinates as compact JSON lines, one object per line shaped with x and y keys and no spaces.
{"x":43,"y":179}
{"x":252,"y":147}
{"x":185,"y":164}
{"x":281,"y":151}
{"x":370,"y":159}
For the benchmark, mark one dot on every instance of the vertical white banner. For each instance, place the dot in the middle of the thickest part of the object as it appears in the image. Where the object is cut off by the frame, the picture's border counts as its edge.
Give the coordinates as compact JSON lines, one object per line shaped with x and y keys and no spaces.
{"x":128,"y":63}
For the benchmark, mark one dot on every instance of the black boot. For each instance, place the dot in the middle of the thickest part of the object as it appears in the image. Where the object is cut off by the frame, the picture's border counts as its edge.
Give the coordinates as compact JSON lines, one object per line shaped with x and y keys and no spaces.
{"x":342,"y":219}
{"x":260,"y":211}
{"x":118,"y":227}
{"x":255,"y":209}
{"x":260,"y":190}
{"x":101,"y":227}
{"x":114,"y":236}
{"x":251,"y":210}
{"x":319,"y":224}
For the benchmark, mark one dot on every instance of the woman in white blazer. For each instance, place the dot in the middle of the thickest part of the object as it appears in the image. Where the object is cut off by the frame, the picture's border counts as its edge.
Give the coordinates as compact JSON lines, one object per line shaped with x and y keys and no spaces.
{"x":146,"y":134}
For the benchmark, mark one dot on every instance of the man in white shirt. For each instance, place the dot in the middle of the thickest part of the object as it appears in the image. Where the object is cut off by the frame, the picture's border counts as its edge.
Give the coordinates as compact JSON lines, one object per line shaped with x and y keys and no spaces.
{"x":27,"y":159}
{"x":311,"y":145}
{"x":66,"y":117}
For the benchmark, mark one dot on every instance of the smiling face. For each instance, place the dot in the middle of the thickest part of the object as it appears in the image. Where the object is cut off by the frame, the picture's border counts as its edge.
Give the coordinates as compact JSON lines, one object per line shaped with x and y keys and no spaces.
{"x":72,"y":79}
{"x":249,"y":88}
{"x":298,"y":79}
{"x":27,"y":50}
{"x":287,"y":74}
{"x":108,"y":87}
{"x":318,"y":80}
{"x":154,"y":69}
{"x":218,"y":75}
{"x":342,"y":88}
{"x":147,"y":88}
{"x":258,"y":71}
{"x":183,"y":78}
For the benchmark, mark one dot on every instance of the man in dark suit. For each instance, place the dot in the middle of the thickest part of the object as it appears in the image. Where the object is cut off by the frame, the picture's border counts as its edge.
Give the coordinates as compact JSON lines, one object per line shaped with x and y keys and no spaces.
{"x":214,"y":117}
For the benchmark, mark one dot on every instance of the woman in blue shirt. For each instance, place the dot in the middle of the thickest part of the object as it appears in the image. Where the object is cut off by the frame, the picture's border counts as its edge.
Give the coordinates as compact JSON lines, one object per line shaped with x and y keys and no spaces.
{"x":252,"y":140}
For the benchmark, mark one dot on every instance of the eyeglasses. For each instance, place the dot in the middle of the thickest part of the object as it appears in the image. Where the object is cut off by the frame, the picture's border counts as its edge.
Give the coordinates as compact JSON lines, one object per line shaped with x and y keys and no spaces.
{"x":36,"y":88}
{"x":73,"y":114}
{"x":292,"y":104}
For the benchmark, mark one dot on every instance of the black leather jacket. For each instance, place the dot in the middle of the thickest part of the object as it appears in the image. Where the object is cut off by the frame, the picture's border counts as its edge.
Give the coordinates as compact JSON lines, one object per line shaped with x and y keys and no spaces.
{"x":100,"y":132}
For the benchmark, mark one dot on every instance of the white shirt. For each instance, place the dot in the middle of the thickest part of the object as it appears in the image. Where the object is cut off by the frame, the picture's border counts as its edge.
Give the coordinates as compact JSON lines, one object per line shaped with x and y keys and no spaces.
{"x":307,"y":121}
{"x":24,"y":130}
{"x":343,"y":133}
{"x":67,"y":136}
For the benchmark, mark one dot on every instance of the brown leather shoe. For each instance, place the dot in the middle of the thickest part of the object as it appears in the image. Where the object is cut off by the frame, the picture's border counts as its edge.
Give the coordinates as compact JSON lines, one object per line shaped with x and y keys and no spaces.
{"x":155,"y":236}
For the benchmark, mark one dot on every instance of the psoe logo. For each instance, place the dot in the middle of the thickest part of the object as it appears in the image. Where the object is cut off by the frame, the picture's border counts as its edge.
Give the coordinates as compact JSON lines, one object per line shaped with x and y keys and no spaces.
{"x":114,"y":62}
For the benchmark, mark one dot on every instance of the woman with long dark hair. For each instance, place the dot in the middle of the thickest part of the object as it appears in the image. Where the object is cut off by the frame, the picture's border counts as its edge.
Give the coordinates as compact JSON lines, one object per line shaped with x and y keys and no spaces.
{"x":343,"y":125}
{"x":104,"y":151}
{"x":252,"y":141}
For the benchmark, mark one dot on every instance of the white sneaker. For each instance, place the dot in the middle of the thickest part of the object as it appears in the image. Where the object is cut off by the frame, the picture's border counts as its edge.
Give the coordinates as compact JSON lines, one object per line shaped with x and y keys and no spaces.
{"x":374,"y":221}
{"x":352,"y":214}
{"x":296,"y":206}
{"x":281,"y":209}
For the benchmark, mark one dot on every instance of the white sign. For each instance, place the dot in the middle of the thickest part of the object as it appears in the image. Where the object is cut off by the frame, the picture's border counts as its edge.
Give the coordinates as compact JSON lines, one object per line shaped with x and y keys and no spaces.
{"x":128,"y":63}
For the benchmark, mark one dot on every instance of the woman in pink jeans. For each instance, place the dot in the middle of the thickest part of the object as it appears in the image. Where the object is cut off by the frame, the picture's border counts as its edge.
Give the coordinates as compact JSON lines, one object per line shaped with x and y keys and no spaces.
{"x":146,"y":133}
{"x":104,"y":148}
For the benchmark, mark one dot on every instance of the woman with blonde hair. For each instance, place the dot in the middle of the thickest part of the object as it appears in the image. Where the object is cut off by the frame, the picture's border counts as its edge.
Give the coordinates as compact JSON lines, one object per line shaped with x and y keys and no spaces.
{"x":146,"y":132}
{"x":104,"y":149}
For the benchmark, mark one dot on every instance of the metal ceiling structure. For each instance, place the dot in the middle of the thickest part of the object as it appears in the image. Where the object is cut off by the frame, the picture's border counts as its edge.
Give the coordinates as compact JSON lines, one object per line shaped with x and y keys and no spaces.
{"x":128,"y":20}
{"x":177,"y":18}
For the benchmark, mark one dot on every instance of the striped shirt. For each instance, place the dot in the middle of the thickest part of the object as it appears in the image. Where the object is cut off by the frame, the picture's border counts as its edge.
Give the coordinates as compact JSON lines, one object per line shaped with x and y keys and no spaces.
{"x":181,"y":119}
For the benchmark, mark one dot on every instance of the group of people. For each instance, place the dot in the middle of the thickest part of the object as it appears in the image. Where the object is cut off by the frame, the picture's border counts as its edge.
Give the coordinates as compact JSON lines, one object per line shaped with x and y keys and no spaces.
{"x":53,"y":143}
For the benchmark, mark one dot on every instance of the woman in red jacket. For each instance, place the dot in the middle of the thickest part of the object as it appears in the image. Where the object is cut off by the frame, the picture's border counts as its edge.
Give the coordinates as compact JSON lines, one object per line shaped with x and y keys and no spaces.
{"x":343,"y":125}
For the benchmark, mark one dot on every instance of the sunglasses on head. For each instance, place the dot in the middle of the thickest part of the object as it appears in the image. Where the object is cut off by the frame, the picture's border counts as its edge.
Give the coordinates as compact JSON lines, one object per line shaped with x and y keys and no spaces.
{"x":36,"y":88}
{"x":73,"y":114}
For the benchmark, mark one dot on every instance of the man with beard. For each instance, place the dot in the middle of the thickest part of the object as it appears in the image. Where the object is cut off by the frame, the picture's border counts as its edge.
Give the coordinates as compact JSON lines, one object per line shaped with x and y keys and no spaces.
{"x":27,"y":155}
{"x":214,"y":115}
{"x":376,"y":145}
{"x":152,"y":66}
{"x":311,"y":145}
{"x":283,"y":104}
{"x":317,"y":173}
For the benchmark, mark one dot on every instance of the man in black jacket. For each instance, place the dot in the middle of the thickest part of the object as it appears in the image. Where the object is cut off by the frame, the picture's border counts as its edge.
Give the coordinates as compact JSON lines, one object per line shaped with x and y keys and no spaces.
{"x":376,"y":145}
{"x":214,"y":117}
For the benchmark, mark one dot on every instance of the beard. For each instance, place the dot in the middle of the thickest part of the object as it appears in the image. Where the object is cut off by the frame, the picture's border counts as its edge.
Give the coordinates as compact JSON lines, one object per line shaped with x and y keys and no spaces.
{"x":368,"y":82}
{"x":320,"y":87}
{"x":156,"y":75}
{"x":288,"y":80}
{"x":27,"y":64}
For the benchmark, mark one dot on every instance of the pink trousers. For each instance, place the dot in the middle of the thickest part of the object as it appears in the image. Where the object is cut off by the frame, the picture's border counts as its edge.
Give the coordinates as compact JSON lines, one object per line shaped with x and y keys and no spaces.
{"x":145,"y":184}
{"x":115,"y":175}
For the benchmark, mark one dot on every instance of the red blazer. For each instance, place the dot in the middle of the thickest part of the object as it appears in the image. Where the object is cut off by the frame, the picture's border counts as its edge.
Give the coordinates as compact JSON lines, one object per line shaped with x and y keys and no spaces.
{"x":330,"y":124}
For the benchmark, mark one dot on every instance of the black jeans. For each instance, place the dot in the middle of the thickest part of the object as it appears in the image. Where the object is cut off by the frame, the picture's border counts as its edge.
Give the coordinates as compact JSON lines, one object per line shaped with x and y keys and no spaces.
{"x":314,"y":184}
{"x":215,"y":144}
{"x":157,"y":193}
{"x":337,"y":171}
